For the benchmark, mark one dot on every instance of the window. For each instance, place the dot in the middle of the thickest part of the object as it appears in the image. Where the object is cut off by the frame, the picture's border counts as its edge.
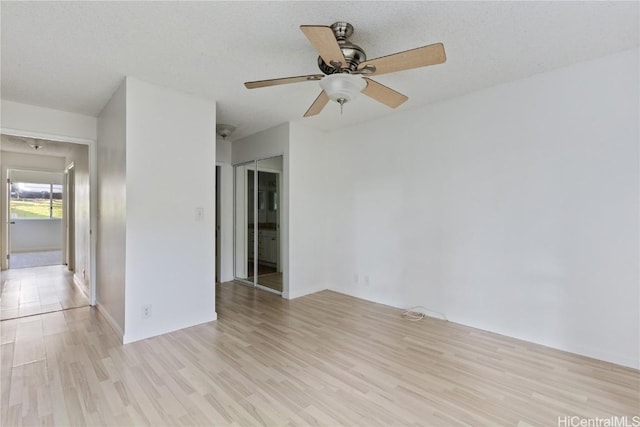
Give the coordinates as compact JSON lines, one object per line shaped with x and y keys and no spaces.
{"x":29,"y":200}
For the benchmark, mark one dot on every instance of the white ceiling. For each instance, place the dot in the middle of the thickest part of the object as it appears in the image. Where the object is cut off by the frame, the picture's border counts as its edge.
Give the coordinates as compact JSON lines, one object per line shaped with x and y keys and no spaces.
{"x":19,"y":144}
{"x":73,"y":55}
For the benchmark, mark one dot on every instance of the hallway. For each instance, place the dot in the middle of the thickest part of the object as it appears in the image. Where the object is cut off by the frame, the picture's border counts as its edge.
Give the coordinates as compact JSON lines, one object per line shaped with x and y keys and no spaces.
{"x":29,"y":291}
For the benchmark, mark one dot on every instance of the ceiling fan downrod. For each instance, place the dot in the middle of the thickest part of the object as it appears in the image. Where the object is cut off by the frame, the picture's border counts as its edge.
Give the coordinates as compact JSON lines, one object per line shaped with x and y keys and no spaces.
{"x":353,"y":54}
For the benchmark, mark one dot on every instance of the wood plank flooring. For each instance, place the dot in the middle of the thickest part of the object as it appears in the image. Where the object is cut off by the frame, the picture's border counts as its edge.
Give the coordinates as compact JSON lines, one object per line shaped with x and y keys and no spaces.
{"x":321,"y":360}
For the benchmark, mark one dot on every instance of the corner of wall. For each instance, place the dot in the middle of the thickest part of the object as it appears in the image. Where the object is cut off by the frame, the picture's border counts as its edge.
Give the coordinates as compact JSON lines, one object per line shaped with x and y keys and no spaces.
{"x":114,"y":325}
{"x":169,"y":261}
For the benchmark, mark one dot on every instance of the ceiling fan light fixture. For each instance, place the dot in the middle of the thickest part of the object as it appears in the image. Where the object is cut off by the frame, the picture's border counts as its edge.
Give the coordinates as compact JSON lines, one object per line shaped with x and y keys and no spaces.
{"x":344,"y":65}
{"x":342,"y":87}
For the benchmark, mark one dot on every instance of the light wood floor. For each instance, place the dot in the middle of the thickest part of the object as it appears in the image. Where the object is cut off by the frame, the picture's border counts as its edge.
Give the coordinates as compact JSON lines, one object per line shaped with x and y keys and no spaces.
{"x":29,"y":291}
{"x":323,"y":359}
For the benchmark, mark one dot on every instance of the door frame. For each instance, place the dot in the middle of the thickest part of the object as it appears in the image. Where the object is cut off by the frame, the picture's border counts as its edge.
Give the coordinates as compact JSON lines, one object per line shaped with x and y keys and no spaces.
{"x":93,"y":197}
{"x":218,"y":186}
{"x":6,"y":226}
{"x":69,"y":241}
{"x":256,"y":170}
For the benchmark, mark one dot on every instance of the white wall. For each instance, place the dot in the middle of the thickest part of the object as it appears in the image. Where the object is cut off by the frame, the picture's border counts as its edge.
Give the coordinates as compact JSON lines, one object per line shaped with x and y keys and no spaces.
{"x":27,"y":162}
{"x":223,"y":159}
{"x":513,"y":209}
{"x":31,"y":235}
{"x":37,"y":176}
{"x":34,"y":162}
{"x":226,"y":222}
{"x":310,"y":203}
{"x":170,"y":254}
{"x":241,"y":222}
{"x":80,"y":159}
{"x":223,"y":151}
{"x":112,"y":190}
{"x":262,"y":145}
{"x":40,"y":122}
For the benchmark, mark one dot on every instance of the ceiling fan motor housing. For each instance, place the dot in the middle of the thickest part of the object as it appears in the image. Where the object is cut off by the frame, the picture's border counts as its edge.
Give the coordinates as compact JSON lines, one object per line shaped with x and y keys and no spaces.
{"x":353,"y":53}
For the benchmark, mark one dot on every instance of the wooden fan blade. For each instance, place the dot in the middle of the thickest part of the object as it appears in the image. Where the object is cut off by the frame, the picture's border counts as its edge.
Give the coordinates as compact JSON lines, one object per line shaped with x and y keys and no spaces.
{"x":414,"y":58}
{"x":283,"y":81}
{"x":383,"y":94}
{"x":324,"y":41}
{"x":317,"y":105}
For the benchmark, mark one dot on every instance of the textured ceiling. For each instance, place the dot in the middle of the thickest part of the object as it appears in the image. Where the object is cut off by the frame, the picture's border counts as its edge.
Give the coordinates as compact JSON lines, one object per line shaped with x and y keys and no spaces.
{"x":73,"y":55}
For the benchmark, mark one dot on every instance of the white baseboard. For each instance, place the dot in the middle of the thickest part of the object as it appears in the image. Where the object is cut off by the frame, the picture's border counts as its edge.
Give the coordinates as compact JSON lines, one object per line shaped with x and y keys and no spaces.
{"x":364,"y":296}
{"x":297,"y":293}
{"x":114,"y":325}
{"x":386,"y":301}
{"x":142,"y":335}
{"x":596,"y":353}
{"x":226,"y":278}
{"x":80,"y":283}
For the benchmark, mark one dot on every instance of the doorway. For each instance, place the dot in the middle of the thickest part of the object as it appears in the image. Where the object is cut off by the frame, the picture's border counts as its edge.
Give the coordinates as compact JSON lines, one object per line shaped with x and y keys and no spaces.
{"x":35,"y":211}
{"x":50,"y":190}
{"x":37,"y":282}
{"x":257,"y":223}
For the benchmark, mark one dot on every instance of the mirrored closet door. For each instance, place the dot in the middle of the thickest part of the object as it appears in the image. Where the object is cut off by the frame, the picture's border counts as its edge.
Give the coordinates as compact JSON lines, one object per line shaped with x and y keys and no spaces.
{"x":258,"y":219}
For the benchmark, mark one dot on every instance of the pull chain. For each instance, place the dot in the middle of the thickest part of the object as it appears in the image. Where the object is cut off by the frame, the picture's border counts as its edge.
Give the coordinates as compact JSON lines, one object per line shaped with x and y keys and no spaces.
{"x":341,"y":101}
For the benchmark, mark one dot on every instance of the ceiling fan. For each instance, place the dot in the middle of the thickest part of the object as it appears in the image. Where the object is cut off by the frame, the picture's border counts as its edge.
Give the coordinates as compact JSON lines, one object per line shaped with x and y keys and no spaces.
{"x":345,"y":66}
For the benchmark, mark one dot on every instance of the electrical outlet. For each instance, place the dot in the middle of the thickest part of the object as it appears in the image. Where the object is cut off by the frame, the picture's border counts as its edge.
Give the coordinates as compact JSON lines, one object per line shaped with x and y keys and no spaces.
{"x":355,"y":278}
{"x":146,"y":311}
{"x":366,"y":280}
